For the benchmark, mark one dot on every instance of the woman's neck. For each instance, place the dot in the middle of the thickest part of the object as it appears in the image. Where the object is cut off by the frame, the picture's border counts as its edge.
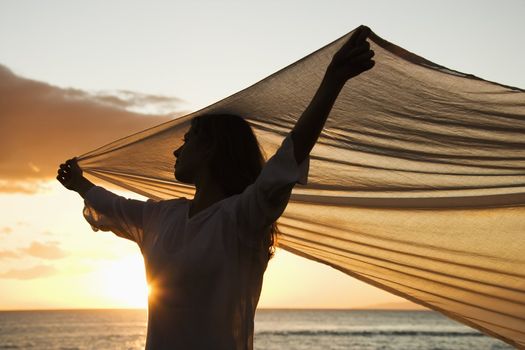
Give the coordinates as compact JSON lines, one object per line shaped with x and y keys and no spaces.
{"x":207,"y":193}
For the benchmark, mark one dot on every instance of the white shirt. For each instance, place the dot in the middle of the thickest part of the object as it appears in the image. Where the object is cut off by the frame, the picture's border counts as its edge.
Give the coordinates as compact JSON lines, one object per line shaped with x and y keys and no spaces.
{"x":206,"y":271}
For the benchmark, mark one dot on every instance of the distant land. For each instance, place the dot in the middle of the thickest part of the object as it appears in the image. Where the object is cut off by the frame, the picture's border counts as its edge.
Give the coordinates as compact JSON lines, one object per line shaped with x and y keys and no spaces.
{"x":402,"y":305}
{"x":398,"y":305}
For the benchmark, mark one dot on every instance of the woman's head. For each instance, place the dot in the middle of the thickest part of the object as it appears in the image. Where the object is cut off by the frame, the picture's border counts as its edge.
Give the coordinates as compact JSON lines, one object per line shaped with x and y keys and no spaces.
{"x":225,"y":146}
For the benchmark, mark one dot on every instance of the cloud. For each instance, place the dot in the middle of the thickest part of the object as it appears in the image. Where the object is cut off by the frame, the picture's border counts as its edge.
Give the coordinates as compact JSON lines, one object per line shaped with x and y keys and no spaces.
{"x":6,"y":230}
{"x":8,"y":254}
{"x":21,"y":186}
{"x":138,"y":102}
{"x":49,"y":250}
{"x":29,"y":273}
{"x":43,"y":125}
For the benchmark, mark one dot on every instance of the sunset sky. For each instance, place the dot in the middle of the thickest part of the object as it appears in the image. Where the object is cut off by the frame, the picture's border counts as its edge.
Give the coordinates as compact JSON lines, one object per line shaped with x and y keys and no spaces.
{"x":77,"y":75}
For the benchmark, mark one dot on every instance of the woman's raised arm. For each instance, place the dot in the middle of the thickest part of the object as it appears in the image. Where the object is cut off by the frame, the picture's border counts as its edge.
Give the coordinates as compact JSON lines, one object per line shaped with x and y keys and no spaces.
{"x":354,"y":58}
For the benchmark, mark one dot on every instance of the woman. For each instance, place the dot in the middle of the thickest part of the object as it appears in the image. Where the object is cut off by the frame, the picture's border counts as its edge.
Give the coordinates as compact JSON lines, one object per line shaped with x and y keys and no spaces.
{"x":205,"y":258}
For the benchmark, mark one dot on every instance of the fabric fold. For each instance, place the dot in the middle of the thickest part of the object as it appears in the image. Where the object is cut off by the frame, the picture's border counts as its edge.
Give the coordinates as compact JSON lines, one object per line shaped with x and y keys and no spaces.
{"x":416,"y":184}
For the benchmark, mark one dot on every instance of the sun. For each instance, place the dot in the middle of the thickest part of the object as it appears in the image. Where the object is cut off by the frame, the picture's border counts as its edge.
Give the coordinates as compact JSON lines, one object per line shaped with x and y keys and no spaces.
{"x":123,"y":282}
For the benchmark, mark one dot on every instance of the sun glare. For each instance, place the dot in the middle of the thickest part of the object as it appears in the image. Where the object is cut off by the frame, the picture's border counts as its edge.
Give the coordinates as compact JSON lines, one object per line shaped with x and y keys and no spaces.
{"x":123,"y":282}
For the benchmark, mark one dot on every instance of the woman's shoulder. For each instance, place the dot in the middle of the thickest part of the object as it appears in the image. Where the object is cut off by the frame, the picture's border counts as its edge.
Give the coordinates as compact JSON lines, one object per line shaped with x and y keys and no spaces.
{"x":157,"y":206}
{"x":156,"y":211}
{"x":228,"y":208}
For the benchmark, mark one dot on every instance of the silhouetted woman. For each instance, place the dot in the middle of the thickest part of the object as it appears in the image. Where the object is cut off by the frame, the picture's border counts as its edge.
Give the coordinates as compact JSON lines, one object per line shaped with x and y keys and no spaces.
{"x":205,"y":258}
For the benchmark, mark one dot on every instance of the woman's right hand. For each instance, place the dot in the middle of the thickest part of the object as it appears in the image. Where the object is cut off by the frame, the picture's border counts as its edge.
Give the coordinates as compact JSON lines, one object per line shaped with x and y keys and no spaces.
{"x":70,"y":175}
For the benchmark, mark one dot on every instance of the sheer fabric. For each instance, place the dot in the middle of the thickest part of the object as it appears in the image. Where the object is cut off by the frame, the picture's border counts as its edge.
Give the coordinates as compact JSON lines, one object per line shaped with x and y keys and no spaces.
{"x":416,"y":185}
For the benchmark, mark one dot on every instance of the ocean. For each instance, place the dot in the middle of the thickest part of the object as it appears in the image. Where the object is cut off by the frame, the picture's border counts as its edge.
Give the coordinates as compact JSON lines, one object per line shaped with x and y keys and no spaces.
{"x":274,"y":330}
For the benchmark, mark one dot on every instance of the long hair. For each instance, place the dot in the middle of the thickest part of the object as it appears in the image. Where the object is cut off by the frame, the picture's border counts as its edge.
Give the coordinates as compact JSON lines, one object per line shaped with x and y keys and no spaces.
{"x":236,"y":160}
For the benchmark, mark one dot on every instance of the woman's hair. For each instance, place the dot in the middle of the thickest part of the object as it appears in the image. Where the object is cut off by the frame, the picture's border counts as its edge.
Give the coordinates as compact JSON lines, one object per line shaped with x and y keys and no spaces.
{"x":236,"y":160}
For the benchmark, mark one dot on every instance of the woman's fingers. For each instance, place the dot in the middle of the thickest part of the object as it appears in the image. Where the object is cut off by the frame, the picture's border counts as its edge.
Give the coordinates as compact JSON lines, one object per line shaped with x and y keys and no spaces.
{"x":359,"y":35}
{"x":365,"y":56}
{"x":71,"y":162}
{"x":365,"y":47}
{"x":363,"y":34}
{"x":62,"y":180}
{"x":357,"y":38}
{"x":64,"y":170}
{"x":356,"y":57}
{"x":353,"y":38}
{"x":368,"y":65}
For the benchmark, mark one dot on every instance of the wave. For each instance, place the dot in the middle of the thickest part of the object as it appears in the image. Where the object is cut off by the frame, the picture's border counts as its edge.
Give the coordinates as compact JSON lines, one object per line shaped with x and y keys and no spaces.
{"x":370,"y":333}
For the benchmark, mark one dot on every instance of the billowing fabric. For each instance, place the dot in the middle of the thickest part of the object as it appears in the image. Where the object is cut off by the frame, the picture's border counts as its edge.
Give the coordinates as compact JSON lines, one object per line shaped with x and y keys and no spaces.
{"x":205,"y":271}
{"x":416,"y":185}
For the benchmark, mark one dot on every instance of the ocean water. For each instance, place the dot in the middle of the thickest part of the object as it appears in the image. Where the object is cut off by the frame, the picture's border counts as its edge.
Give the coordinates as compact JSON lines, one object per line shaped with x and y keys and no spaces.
{"x":274,"y":330}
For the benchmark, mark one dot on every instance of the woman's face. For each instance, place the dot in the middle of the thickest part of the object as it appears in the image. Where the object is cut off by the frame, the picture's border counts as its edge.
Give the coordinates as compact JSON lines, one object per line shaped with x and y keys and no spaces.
{"x":191,"y":158}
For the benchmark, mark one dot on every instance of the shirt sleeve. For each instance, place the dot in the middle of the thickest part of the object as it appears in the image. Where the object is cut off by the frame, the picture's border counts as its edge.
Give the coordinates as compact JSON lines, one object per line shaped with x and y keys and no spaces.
{"x":106,"y":211}
{"x":264,"y":201}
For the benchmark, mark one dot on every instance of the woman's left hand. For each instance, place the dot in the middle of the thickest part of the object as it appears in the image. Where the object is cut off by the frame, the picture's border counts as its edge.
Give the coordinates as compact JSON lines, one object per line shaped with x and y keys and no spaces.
{"x":352,"y":59}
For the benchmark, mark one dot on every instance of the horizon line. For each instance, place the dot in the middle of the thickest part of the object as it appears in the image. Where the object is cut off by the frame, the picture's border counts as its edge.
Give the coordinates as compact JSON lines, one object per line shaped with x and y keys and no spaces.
{"x":262,"y":308}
